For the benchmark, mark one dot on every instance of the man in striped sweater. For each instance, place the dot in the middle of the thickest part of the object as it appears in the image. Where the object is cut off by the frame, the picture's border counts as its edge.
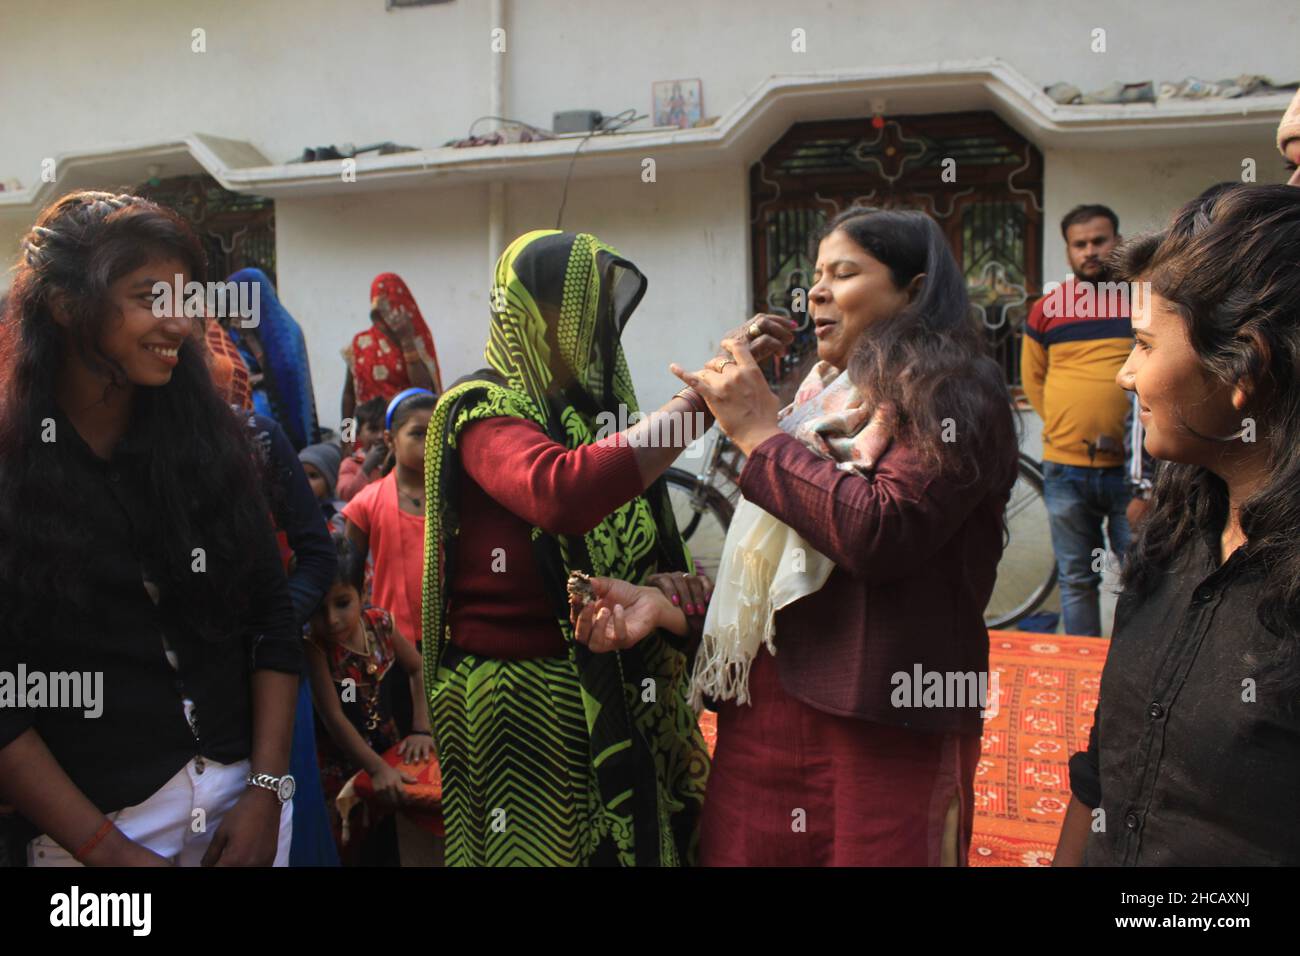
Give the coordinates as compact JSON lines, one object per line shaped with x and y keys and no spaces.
{"x":1076,"y":339}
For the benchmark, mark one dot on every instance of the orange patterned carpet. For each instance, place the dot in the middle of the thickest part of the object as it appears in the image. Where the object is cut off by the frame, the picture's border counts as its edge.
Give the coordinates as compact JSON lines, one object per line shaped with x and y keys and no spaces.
{"x":1047,"y":690}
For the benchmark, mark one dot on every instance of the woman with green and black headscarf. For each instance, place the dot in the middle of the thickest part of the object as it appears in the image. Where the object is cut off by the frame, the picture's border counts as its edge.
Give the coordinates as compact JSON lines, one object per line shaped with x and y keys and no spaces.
{"x":552,"y":754}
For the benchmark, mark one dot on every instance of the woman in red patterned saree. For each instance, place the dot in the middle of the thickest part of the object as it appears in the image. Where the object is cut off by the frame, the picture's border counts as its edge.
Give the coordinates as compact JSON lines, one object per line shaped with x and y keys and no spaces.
{"x":395,"y":353}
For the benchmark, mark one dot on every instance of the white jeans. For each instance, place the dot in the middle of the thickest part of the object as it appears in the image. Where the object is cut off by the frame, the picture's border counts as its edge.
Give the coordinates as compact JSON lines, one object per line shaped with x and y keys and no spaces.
{"x":180,"y":819}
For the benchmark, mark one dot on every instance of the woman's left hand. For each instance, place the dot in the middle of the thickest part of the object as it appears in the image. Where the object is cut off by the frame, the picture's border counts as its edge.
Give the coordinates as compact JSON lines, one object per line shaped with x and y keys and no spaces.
{"x":690,"y":592}
{"x":415,"y":748}
{"x":249,"y":835}
{"x":737,"y":394}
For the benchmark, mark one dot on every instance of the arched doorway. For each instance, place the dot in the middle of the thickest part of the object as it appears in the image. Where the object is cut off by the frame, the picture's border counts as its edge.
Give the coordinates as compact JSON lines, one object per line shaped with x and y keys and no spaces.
{"x":977,"y":177}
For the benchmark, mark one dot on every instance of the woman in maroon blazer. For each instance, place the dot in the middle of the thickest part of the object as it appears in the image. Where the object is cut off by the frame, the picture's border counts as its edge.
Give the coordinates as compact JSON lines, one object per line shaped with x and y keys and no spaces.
{"x":868,"y":571}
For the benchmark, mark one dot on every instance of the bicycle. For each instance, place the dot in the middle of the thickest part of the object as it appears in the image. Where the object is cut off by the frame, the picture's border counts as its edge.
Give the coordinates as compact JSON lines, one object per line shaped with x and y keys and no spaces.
{"x":1027,"y":568}
{"x":703,"y":505}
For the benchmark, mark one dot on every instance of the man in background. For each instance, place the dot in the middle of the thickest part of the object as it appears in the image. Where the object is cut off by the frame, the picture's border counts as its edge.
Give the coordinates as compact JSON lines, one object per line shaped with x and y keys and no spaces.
{"x":1076,"y":339}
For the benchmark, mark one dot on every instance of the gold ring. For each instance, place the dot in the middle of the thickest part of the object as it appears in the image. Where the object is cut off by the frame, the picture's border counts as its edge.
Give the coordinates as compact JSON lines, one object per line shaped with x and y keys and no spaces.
{"x":755,"y":330}
{"x":723,"y":364}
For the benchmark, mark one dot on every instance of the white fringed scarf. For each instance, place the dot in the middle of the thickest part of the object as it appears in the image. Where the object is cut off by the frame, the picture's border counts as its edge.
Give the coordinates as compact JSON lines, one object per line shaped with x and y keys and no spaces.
{"x":767,"y":565}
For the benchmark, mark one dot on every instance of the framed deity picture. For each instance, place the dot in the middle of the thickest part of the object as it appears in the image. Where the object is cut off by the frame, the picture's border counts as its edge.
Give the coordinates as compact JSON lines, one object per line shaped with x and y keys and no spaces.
{"x":677,"y":103}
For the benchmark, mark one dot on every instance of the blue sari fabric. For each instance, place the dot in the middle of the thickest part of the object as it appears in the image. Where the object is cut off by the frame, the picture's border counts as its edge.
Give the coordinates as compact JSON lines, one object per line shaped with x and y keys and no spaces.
{"x":285,"y":392}
{"x":313,"y":841}
{"x":297,"y":513}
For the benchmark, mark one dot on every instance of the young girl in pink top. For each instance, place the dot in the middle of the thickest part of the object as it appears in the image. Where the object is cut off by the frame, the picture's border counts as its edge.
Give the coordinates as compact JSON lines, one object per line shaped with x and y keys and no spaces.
{"x":386,"y":518}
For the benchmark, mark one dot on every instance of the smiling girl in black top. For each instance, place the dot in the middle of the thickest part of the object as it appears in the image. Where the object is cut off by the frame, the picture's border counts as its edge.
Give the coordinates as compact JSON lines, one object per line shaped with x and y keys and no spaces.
{"x":134,"y":544}
{"x":1195,"y":753}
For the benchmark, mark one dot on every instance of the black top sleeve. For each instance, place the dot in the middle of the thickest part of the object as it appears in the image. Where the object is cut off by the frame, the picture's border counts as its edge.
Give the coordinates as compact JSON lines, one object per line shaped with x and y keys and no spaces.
{"x":273,"y":636}
{"x":14,"y":720}
{"x":1085,"y":768}
{"x":303,"y":524}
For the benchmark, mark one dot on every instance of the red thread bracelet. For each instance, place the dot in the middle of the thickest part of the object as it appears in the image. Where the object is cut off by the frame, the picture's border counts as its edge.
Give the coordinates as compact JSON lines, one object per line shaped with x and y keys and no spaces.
{"x":80,"y":855}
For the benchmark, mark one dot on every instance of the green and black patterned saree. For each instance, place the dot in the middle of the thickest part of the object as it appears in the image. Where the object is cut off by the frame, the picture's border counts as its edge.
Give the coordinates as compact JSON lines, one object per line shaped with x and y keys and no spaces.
{"x":589,"y":759}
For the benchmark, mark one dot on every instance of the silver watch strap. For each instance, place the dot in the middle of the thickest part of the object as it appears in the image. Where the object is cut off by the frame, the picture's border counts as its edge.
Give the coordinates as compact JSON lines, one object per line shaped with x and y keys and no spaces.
{"x":265,"y":781}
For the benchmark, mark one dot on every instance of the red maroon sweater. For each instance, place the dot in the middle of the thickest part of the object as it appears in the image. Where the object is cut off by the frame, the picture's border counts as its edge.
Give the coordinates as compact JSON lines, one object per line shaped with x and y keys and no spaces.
{"x":915,"y":558}
{"x":517,"y":477}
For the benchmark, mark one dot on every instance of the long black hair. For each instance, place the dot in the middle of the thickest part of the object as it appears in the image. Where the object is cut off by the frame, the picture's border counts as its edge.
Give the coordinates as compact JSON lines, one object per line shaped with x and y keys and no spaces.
{"x":932,"y":361}
{"x":1229,"y":265}
{"x":201,"y":477}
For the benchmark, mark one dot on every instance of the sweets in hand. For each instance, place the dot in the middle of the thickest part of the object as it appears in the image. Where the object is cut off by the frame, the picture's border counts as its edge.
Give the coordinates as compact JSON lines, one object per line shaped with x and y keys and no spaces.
{"x":580,"y":589}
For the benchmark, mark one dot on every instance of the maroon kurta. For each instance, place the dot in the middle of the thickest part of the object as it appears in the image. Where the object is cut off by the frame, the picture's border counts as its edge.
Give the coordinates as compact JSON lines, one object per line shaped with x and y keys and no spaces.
{"x":915,"y":554}
{"x":793,"y":786}
{"x":822,"y":768}
{"x":517,"y":477}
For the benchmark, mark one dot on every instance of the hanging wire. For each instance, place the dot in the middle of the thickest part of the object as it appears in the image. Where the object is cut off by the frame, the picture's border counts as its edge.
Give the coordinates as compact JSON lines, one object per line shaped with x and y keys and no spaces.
{"x":546,"y":133}
{"x":610,"y":124}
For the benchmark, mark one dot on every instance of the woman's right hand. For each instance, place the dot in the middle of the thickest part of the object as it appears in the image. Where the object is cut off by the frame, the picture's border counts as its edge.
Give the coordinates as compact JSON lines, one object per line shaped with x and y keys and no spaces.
{"x":622,"y":615}
{"x":389,"y":786}
{"x":139,"y":855}
{"x":775,"y":333}
{"x":117,"y":849}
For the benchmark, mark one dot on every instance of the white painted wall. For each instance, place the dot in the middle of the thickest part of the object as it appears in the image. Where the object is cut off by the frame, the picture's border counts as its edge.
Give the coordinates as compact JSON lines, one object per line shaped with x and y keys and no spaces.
{"x":693,"y":253}
{"x":295,"y":73}
{"x":1143,"y":186}
{"x":688,"y":234}
{"x":83,"y":74}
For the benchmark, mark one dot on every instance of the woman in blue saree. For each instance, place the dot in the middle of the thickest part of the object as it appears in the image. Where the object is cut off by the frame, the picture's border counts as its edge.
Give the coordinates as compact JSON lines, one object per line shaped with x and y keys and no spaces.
{"x":276,"y":355}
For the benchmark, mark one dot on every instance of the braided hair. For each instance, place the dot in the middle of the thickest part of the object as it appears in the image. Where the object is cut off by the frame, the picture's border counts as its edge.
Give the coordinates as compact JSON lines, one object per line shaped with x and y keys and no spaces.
{"x":200,"y":473}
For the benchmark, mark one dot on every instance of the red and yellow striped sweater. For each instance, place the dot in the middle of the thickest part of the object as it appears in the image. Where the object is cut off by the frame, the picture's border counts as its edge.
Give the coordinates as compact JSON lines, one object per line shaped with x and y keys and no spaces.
{"x":1076,"y":340}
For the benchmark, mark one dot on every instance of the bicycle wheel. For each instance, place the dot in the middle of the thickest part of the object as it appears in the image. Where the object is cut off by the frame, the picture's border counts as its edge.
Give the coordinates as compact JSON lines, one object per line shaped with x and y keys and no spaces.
{"x":703,"y":515}
{"x":1027,"y":571}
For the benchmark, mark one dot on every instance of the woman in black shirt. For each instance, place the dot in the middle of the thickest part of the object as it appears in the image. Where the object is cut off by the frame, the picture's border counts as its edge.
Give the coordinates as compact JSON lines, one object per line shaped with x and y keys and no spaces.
{"x":1195,"y":753}
{"x":137,"y":561}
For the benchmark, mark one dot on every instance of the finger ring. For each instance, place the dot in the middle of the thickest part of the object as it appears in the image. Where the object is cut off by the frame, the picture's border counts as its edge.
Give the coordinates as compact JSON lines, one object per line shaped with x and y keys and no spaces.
{"x":755,"y":330}
{"x":723,"y":364}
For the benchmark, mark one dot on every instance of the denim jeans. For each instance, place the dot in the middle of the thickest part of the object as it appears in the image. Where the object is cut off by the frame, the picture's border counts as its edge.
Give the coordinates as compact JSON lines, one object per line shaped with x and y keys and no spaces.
{"x":1079,"y":500}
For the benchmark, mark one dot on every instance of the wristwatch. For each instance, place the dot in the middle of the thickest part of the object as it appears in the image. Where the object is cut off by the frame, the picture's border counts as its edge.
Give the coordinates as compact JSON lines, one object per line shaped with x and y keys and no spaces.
{"x":282,"y":787}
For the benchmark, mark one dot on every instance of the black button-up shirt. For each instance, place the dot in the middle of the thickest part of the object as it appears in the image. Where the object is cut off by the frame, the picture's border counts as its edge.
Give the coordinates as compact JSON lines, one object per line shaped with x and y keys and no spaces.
{"x":1194,"y":756}
{"x":141,"y":738}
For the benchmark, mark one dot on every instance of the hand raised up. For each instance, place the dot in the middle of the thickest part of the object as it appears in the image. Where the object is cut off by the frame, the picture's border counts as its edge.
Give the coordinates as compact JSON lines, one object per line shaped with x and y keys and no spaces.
{"x":766,"y":334}
{"x":737,"y":394}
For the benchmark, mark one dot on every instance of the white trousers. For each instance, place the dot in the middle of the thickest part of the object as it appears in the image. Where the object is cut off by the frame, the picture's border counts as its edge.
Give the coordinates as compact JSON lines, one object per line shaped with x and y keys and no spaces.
{"x":180,"y":819}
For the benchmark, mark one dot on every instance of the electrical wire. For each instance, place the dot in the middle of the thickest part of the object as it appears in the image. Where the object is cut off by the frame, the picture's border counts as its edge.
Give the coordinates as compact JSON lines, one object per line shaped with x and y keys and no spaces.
{"x":564,"y":196}
{"x":608,"y":124}
{"x":513,"y":122}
